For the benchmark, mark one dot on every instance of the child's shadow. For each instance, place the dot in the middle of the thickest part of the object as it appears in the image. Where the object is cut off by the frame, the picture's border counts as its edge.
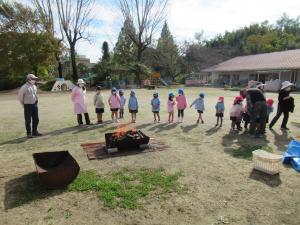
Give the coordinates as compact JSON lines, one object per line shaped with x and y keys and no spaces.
{"x":212,"y":131}
{"x":188,"y":128}
{"x":163,"y":126}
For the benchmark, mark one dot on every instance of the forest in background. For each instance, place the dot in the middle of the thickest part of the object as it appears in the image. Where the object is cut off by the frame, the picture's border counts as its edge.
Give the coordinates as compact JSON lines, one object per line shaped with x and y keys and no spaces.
{"x":28,"y":45}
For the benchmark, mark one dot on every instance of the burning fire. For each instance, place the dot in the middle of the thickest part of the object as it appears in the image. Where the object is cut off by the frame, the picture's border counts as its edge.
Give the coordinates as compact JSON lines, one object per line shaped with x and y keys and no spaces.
{"x":122,"y":130}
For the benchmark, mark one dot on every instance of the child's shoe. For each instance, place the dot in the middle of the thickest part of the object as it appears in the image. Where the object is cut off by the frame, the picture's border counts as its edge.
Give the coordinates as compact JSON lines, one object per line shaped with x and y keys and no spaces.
{"x":202,"y":121}
{"x":197,"y":121}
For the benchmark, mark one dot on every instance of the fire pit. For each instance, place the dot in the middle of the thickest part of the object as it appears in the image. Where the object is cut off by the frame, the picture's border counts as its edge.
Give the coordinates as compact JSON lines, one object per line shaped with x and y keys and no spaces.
{"x":126,"y":139}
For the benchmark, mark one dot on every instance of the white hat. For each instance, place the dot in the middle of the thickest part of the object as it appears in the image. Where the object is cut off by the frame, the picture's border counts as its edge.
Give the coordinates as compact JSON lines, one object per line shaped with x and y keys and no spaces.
{"x":31,"y":77}
{"x":80,"y":81}
{"x":286,"y":84}
{"x":258,"y":85}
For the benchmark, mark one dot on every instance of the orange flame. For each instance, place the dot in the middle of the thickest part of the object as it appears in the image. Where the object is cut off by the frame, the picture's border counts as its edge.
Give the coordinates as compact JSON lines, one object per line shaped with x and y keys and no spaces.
{"x":122,"y":130}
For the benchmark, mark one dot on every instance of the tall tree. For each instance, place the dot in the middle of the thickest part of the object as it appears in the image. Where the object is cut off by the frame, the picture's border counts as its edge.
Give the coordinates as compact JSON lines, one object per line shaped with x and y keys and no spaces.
{"x":124,"y":49}
{"x":146,"y":16}
{"x":44,"y":9}
{"x":74,"y":19}
{"x":105,"y":52}
{"x":168,"y":56}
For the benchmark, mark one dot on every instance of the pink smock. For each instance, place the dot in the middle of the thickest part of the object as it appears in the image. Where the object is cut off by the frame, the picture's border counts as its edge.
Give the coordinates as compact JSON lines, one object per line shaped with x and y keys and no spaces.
{"x":181,"y":102}
{"x":78,"y":97}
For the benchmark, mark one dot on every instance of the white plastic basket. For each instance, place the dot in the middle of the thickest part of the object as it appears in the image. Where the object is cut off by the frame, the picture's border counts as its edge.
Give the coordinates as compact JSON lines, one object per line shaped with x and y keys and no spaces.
{"x":266,"y":162}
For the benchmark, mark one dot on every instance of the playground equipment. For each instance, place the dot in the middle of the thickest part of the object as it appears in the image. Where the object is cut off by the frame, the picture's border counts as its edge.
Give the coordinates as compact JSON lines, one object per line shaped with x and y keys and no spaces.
{"x":154,"y":80}
{"x":62,"y":85}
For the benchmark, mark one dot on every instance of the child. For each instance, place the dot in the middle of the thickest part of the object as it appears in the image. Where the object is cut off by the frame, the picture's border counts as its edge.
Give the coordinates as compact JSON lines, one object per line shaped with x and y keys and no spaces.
{"x":123,"y":102}
{"x":171,"y":105}
{"x":155,"y":102}
{"x":220,"y":108}
{"x":181,"y":104}
{"x":114,"y":103}
{"x":236,"y":113}
{"x":133,"y":106}
{"x":78,"y":97}
{"x":99,"y":104}
{"x":269,"y":108}
{"x":199,"y":106}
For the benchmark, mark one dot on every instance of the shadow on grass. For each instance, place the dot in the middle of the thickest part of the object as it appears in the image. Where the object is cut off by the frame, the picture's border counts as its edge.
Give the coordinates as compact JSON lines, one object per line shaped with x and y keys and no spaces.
{"x":212,"y":131}
{"x":296,"y":124}
{"x":26,"y":189}
{"x":163,"y":127}
{"x":242,"y":145}
{"x":282,"y":139}
{"x":188,"y":128}
{"x":270,"y":180}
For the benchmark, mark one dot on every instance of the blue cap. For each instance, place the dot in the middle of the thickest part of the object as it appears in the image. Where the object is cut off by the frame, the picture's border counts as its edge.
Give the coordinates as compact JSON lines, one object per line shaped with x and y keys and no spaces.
{"x":202,"y":95}
{"x":171,"y":94}
{"x":132,"y":92}
{"x":180,"y":91}
{"x":121,"y":91}
{"x":113,"y":89}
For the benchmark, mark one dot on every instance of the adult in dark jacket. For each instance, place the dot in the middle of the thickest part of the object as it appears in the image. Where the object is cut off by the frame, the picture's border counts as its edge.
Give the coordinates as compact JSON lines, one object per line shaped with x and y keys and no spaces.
{"x":285,"y":105}
{"x":257,"y":108}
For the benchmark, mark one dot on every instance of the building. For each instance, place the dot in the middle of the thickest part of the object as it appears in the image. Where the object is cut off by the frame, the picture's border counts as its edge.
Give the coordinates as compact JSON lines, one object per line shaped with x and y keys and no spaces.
{"x":80,"y":60}
{"x":270,"y":68}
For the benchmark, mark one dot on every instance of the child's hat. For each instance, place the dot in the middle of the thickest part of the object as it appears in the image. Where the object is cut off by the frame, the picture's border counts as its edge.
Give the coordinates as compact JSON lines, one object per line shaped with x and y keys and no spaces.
{"x":221,"y":98}
{"x":171,"y":94}
{"x":132,"y":92}
{"x":180,"y":91}
{"x":238,"y":99}
{"x":121,"y":91}
{"x":98,"y":87}
{"x":113,"y":89}
{"x":202,"y":95}
{"x":155,"y":94}
{"x":270,"y":102}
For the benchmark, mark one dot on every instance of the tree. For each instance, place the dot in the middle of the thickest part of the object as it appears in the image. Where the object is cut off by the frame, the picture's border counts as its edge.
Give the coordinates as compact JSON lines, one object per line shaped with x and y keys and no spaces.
{"x":16,"y":17}
{"x":105,"y":52}
{"x":45,"y":12}
{"x":167,"y":50}
{"x":146,"y":16}
{"x":74,"y":18}
{"x":124,"y":50}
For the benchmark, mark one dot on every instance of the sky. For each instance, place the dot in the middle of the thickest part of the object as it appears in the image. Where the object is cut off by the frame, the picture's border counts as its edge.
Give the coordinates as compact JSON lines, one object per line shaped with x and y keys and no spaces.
{"x":187,"y":17}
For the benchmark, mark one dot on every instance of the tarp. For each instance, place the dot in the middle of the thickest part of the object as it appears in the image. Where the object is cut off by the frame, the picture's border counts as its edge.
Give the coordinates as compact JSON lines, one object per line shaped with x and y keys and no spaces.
{"x":292,"y":155}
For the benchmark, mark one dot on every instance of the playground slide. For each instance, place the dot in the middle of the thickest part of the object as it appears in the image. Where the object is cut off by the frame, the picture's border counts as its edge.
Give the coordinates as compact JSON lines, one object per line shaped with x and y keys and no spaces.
{"x":164,"y":82}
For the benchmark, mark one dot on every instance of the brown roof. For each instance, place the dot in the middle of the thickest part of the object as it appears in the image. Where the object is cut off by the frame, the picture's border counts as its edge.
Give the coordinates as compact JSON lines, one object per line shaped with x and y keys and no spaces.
{"x":268,"y":61}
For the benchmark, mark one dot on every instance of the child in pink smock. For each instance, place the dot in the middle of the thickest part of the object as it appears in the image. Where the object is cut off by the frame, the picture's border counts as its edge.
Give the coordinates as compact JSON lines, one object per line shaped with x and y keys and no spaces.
{"x":114,"y":103}
{"x":171,"y":106}
{"x":78,"y":97}
{"x":181,"y":104}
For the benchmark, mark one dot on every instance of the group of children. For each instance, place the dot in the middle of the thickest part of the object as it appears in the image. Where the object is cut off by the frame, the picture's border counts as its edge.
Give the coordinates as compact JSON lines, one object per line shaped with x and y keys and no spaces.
{"x":117,"y":101}
{"x":240,"y":113}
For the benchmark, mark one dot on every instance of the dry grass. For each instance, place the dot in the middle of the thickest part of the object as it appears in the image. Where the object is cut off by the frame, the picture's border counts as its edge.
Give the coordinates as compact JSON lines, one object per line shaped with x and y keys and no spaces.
{"x":221,"y":187}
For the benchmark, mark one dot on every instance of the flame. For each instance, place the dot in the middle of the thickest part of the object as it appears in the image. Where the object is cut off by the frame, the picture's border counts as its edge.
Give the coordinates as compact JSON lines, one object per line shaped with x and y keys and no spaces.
{"x":122,"y":130}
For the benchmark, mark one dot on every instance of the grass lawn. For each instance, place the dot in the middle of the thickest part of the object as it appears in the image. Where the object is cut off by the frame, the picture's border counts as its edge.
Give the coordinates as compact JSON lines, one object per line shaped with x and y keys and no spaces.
{"x":212,"y":166}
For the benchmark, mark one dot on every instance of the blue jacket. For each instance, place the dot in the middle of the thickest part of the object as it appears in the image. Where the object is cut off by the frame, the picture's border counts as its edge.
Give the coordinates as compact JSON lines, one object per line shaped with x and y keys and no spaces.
{"x":133,"y":103}
{"x":199,"y":104}
{"x":220,"y":107}
{"x":155,"y":102}
{"x":123,"y":101}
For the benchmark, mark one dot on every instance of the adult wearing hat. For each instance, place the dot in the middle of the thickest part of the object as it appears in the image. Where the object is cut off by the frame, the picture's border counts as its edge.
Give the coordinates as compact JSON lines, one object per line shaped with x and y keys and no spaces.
{"x":29,"y":100}
{"x":78,"y":97}
{"x":257,"y":108}
{"x":285,"y":105}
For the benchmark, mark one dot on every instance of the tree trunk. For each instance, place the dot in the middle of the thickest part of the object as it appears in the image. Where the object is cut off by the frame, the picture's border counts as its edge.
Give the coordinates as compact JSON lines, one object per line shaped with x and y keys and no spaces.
{"x":73,"y":63}
{"x":59,"y":66}
{"x":138,"y":69}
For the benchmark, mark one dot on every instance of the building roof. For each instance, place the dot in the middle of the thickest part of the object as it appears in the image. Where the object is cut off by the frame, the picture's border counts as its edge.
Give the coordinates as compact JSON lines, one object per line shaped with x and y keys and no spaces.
{"x":284,"y":60}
